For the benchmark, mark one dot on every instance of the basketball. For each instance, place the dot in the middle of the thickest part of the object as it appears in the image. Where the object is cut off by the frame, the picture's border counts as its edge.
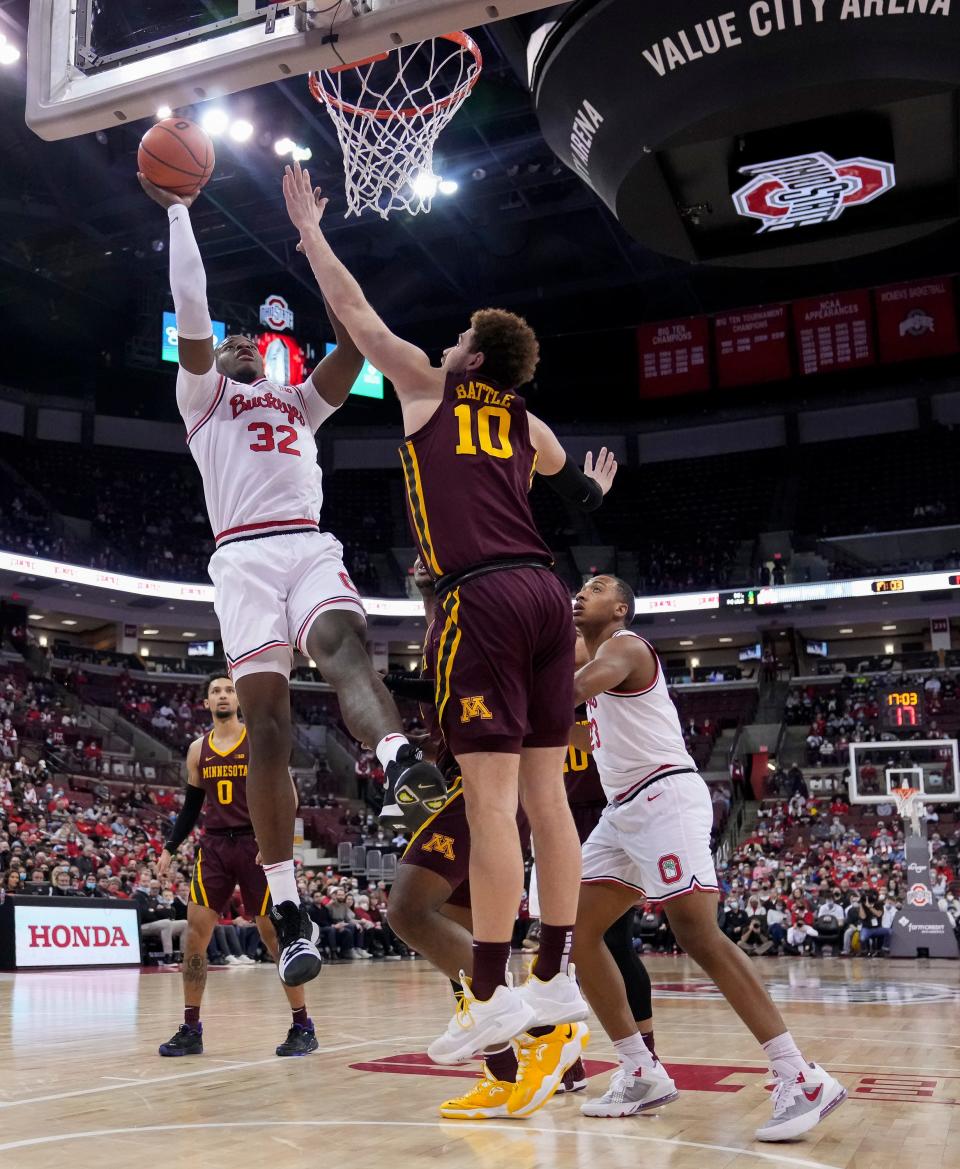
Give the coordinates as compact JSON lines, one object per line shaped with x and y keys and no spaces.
{"x":176,"y":155}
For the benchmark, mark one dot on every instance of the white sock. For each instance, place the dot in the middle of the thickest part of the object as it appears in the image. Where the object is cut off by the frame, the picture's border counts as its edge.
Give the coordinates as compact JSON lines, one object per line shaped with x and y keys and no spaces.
{"x":389,"y":747}
{"x":633,"y":1053}
{"x":282,"y":882}
{"x":784,"y":1056}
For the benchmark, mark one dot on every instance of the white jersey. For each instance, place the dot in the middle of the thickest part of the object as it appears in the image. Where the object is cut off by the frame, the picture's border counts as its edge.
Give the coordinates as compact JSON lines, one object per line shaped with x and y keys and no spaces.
{"x":636,"y":735}
{"x":255,"y":447}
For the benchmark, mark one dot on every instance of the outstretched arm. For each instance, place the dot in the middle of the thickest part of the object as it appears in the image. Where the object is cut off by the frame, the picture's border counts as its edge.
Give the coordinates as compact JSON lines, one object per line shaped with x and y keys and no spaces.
{"x":404,"y":364}
{"x":188,"y":281}
{"x":333,"y":378}
{"x":584,"y":489}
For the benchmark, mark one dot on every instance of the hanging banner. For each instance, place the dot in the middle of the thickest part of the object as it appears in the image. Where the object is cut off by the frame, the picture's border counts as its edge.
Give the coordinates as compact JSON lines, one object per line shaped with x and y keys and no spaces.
{"x":834,"y":332}
{"x":673,"y":357}
{"x":751,"y":346}
{"x":916,"y":319}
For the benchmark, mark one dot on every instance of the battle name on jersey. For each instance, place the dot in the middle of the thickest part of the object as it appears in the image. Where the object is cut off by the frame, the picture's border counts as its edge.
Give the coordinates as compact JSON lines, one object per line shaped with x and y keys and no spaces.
{"x":479,"y":392}
{"x":224,"y":771}
{"x":240,"y":404}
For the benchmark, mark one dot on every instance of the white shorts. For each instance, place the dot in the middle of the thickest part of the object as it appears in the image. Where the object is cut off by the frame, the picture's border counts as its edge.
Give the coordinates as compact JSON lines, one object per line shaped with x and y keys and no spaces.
{"x":657,"y":844}
{"x":269,"y":592}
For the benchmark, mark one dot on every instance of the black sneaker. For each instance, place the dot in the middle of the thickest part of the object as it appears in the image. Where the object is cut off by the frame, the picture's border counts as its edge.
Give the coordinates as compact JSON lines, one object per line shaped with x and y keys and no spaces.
{"x":414,"y":789}
{"x":187,"y":1041}
{"x":298,"y":935}
{"x":299,"y":1040}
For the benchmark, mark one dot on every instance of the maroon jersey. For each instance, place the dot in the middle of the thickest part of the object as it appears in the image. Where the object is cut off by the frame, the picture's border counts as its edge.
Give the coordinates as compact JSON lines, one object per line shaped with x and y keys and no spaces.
{"x":581,"y":777}
{"x":443,"y":756}
{"x":468,"y":473}
{"x":223,"y":777}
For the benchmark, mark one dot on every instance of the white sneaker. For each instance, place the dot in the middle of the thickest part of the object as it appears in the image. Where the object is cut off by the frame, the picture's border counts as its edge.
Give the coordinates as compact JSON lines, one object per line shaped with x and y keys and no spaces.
{"x":231,"y":960}
{"x":628,"y":1094}
{"x":556,"y":1001}
{"x":479,"y":1024}
{"x":246,"y":960}
{"x":800,"y":1103}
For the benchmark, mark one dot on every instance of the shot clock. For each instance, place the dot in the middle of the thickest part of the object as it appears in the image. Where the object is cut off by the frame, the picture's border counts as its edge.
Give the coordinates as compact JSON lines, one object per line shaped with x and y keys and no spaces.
{"x":896,"y":585}
{"x":902,"y":709}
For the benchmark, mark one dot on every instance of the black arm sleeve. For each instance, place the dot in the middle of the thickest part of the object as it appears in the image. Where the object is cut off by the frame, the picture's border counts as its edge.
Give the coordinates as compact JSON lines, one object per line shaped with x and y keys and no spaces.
{"x":187,"y":819}
{"x":419,"y":689}
{"x":577,"y":489}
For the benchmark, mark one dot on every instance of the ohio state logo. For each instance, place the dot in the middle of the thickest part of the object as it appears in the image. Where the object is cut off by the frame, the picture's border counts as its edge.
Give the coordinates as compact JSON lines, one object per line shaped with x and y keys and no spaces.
{"x":276,"y":314}
{"x":919,"y":896}
{"x":807,"y":189}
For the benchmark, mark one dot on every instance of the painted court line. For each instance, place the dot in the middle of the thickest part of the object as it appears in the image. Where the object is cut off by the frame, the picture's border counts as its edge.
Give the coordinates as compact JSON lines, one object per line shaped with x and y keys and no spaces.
{"x":272,"y":1060}
{"x":516,"y":1129}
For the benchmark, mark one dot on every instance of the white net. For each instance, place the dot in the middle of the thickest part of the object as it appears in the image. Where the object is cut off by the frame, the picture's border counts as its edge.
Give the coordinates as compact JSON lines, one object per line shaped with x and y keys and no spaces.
{"x":388,"y":113}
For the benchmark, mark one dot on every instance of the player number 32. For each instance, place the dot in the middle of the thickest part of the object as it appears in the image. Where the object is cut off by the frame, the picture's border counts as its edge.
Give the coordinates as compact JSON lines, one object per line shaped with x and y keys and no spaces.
{"x":486,"y":417}
{"x":266,"y":442}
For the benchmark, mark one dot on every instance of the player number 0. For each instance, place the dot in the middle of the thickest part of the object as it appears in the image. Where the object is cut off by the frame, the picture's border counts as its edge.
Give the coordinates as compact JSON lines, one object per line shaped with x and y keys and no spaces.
{"x":466,"y":445}
{"x":225,"y":791}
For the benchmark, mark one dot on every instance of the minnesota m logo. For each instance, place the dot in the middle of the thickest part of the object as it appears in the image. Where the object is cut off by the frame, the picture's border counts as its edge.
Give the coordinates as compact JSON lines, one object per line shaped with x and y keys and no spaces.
{"x":441,"y":844}
{"x":472,"y":708}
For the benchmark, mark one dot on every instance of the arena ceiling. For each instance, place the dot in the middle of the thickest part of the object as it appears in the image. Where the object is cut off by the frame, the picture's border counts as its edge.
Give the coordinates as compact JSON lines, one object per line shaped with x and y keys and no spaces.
{"x":79,"y":242}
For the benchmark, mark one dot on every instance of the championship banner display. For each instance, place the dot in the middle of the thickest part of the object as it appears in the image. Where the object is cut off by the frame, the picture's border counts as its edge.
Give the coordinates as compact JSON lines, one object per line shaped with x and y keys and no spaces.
{"x":834,"y":332}
{"x":673,"y":357}
{"x":751,"y":346}
{"x":916,"y":320}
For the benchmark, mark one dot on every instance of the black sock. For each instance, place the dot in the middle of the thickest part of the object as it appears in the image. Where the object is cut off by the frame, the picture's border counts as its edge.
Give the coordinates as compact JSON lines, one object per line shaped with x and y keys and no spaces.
{"x":300,"y":1017}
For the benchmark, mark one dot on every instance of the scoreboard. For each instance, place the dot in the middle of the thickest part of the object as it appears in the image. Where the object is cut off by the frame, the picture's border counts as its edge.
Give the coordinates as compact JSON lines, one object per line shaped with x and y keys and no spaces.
{"x":902,"y":709}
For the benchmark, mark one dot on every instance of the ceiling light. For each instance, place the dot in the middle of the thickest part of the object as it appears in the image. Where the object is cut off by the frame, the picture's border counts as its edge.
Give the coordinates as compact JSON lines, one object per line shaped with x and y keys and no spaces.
{"x":68,"y":621}
{"x":43,"y":640}
{"x":846,"y":629}
{"x":9,"y":54}
{"x":889,"y":628}
{"x":188,"y":633}
{"x":284,"y":146}
{"x":889,"y":648}
{"x":311,"y":663}
{"x":35,"y":616}
{"x":686,"y":643}
{"x":725,"y":640}
{"x":448,"y":186}
{"x":301,"y":154}
{"x":478,"y":174}
{"x":215,"y":121}
{"x":144,"y":651}
{"x":150,"y":632}
{"x":425,"y":185}
{"x":694,"y":662}
{"x":413,"y":645}
{"x":241,"y":130}
{"x":163,"y":112}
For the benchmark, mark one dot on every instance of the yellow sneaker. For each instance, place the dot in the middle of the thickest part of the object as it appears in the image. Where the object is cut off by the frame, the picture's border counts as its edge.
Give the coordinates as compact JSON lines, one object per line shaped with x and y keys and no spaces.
{"x":486,"y":1099}
{"x":542,"y":1061}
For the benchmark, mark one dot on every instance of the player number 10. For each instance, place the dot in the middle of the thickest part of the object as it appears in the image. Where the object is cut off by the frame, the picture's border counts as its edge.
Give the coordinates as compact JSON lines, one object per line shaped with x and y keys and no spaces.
{"x":466,"y":445}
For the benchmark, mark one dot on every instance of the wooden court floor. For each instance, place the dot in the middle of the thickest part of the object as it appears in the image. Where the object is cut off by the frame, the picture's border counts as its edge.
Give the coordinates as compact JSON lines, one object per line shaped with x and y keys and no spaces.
{"x":81,"y":1084}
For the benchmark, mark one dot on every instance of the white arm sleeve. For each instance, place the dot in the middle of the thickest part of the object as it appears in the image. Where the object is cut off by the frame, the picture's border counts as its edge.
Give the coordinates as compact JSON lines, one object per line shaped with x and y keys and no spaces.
{"x":188,"y":281}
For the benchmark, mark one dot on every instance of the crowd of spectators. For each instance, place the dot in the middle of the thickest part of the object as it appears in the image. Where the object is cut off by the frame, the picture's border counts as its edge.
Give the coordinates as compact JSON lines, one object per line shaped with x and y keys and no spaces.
{"x":849,"y":712}
{"x":809,"y":878}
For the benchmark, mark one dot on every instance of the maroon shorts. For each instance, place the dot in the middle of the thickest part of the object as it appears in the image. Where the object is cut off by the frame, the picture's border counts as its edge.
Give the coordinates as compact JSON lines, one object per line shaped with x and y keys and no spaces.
{"x":504,"y":648}
{"x":223,"y":863}
{"x":442,"y":846}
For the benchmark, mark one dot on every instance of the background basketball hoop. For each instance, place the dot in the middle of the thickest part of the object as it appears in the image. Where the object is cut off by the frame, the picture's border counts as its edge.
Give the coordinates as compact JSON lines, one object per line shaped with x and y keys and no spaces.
{"x":909,"y":806}
{"x":389,"y":110}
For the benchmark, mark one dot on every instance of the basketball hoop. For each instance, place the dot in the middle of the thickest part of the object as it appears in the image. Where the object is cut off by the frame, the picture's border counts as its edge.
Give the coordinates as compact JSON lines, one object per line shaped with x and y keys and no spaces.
{"x":389,"y":110}
{"x":908,"y":805}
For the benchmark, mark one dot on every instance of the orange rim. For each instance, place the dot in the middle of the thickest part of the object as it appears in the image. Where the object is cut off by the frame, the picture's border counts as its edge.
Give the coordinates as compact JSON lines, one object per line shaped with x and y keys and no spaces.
{"x":464,"y":40}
